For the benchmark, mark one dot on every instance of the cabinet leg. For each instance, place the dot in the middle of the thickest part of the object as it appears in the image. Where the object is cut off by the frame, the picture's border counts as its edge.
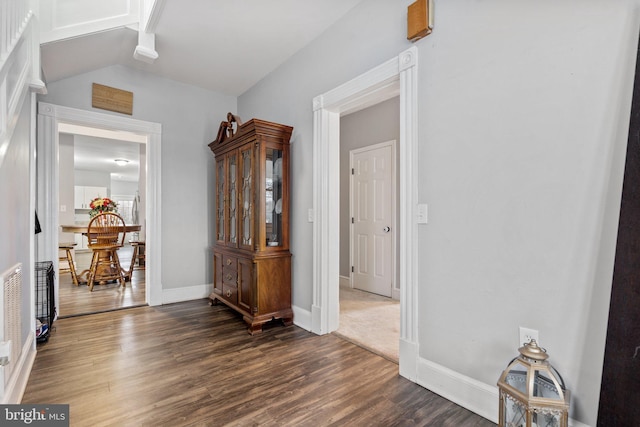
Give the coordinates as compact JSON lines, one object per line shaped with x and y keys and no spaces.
{"x":255,"y":329}
{"x":213,"y":299}
{"x":287,"y":321}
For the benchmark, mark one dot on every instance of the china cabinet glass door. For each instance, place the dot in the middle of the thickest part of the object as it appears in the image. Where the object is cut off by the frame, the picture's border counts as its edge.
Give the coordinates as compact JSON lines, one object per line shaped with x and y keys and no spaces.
{"x":246,"y":198}
{"x":273,"y":197}
{"x":233,"y":200}
{"x":220,"y":205}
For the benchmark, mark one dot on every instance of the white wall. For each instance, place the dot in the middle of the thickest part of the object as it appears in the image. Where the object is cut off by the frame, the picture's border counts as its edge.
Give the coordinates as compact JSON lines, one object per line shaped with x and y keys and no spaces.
{"x":523,"y":113}
{"x":142,"y":185}
{"x":18,"y":65}
{"x":368,"y":35}
{"x":16,"y":217}
{"x":90,"y":178}
{"x":66,"y":183}
{"x":124,"y":188}
{"x":189,"y":117}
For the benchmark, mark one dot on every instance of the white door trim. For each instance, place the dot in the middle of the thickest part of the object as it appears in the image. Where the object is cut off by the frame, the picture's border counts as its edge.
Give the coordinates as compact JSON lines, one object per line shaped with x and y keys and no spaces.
{"x":49,"y":117}
{"x":396,"y":76}
{"x":395,"y":291}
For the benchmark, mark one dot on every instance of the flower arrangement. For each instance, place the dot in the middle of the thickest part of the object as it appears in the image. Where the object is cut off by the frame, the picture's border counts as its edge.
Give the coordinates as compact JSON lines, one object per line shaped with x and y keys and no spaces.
{"x":102,"y":204}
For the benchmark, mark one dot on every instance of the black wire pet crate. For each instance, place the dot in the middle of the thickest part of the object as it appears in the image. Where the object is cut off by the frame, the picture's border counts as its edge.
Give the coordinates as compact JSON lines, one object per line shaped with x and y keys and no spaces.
{"x":45,"y":299}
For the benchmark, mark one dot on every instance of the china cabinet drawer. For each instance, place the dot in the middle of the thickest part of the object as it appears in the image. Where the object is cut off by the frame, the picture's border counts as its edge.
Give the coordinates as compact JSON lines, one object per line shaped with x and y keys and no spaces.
{"x":229,"y":262}
{"x":230,"y":277}
{"x":229,"y":270}
{"x":230,"y":293}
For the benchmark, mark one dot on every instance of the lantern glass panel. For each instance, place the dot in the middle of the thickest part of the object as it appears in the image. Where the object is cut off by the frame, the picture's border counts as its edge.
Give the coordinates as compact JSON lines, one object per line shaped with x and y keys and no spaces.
{"x":545,"y":419}
{"x":545,"y":386}
{"x":515,"y":414}
{"x":517,"y":377}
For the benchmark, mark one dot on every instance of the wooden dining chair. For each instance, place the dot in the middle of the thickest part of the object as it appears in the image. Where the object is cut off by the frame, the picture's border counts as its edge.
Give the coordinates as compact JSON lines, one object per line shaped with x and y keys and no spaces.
{"x":106,"y":233}
{"x":138,"y":254}
{"x":68,"y":258}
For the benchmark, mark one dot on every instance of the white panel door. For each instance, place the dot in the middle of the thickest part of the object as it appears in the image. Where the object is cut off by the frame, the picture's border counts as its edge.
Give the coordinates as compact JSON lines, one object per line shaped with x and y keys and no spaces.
{"x":372,"y":217}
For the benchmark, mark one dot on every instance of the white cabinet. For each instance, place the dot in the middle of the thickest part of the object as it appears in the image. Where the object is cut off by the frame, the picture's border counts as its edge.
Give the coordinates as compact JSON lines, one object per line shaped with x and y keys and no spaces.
{"x":83,"y":195}
{"x":81,"y":241}
{"x":78,"y":197}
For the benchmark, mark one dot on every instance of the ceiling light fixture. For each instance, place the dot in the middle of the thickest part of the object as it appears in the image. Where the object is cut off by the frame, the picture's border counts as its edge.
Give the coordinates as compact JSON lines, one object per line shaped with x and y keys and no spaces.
{"x":121,"y":162}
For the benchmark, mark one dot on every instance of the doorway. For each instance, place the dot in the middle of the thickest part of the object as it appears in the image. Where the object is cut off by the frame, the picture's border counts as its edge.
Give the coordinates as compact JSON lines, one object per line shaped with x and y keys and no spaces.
{"x":50,"y":117}
{"x":368,"y":155}
{"x":398,"y":76}
{"x":88,"y":169}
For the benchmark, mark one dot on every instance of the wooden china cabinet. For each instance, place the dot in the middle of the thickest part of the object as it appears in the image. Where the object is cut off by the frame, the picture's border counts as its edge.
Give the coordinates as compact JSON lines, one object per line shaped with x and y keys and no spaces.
{"x":251,"y":258}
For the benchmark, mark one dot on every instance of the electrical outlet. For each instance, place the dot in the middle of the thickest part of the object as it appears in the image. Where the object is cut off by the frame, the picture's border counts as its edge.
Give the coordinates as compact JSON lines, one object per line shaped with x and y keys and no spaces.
{"x":527,"y":335}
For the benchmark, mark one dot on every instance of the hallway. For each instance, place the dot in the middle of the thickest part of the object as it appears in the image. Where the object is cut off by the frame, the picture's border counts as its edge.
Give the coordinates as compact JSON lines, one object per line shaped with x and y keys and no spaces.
{"x":194,"y":364}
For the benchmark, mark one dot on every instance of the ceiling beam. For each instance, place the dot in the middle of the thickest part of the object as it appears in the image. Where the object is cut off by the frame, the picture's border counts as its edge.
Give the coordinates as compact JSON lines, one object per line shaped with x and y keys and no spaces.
{"x":149,"y":16}
{"x":152,"y":11}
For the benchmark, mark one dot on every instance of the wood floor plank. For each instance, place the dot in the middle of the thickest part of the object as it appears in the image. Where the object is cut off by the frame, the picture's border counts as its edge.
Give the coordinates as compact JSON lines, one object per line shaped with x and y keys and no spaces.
{"x":190,"y":364}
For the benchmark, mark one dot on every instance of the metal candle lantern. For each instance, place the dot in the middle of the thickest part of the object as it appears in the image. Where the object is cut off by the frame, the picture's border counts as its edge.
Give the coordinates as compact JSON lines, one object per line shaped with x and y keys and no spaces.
{"x":532,"y":392}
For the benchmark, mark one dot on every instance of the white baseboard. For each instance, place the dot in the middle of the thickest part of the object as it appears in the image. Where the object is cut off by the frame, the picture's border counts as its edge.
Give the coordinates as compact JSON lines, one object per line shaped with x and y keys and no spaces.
{"x":14,"y":390}
{"x":345,"y":282}
{"x":301,"y":318}
{"x":474,"y":395}
{"x":188,"y":293}
{"x":471,"y":394}
{"x":574,"y":423}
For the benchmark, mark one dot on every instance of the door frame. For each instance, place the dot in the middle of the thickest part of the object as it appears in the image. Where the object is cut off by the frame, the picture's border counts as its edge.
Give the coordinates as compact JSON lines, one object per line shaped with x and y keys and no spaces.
{"x":398,"y":76}
{"x":50,"y":116}
{"x":395,"y":291}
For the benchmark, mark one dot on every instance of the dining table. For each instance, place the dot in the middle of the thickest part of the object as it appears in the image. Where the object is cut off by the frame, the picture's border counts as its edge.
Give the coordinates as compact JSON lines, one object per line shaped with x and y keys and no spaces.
{"x":81,"y":228}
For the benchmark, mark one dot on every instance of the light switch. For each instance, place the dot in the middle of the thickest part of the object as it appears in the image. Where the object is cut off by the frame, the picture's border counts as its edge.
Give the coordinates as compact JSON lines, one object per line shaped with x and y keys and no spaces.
{"x":421,"y":215}
{"x":63,"y":208}
{"x":310,"y":215}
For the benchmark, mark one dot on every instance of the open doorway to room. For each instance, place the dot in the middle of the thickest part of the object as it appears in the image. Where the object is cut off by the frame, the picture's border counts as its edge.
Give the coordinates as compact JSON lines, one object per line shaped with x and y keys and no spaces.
{"x":52,"y":121}
{"x":395,"y":77}
{"x":369,"y":282}
{"x":88,"y":169}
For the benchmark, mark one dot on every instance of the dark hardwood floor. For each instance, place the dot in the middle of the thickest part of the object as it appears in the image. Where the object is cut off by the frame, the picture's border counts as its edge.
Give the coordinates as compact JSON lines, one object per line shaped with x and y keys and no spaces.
{"x":191,"y":364}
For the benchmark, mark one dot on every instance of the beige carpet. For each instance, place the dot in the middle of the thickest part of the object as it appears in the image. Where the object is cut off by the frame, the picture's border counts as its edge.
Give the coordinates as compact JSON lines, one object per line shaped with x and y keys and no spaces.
{"x":370,"y":321}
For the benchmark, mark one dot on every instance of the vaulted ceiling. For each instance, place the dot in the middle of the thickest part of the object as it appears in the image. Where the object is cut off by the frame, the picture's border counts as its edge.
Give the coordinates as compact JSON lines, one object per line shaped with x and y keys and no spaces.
{"x":224,"y":46}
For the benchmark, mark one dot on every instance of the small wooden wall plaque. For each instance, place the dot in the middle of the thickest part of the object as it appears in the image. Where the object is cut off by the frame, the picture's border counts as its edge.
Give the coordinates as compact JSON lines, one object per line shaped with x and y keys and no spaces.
{"x":112,"y":99}
{"x":419,"y":20}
